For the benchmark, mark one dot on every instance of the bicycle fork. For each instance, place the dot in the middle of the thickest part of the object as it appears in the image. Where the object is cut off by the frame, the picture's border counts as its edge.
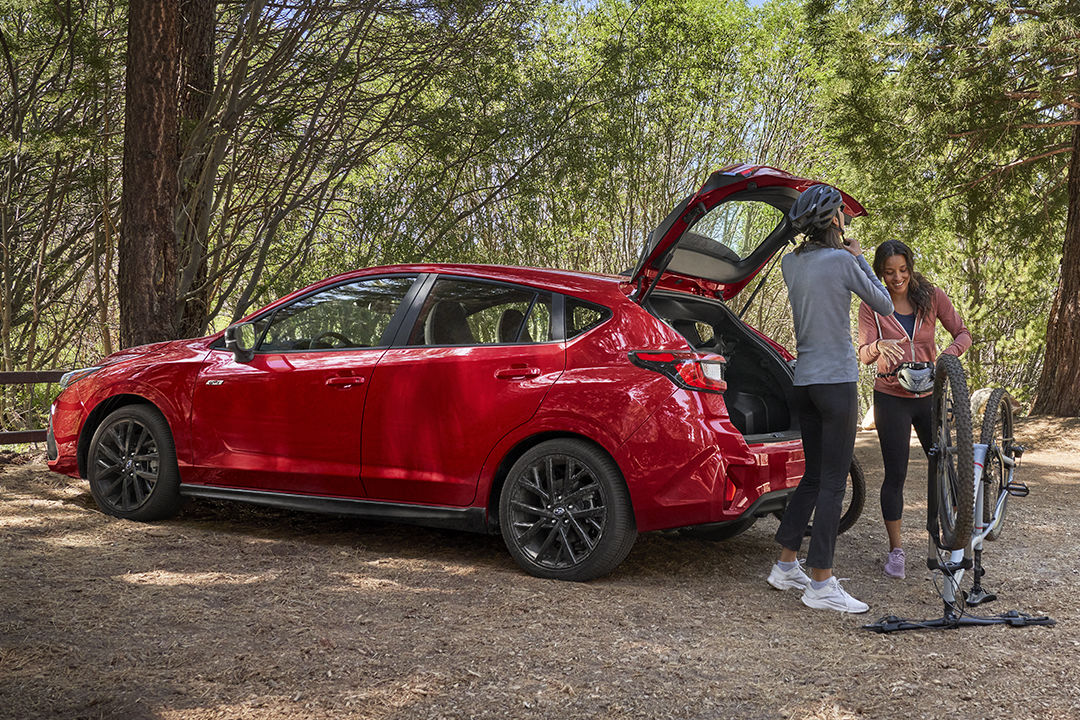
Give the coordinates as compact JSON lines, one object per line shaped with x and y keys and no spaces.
{"x":969,"y":557}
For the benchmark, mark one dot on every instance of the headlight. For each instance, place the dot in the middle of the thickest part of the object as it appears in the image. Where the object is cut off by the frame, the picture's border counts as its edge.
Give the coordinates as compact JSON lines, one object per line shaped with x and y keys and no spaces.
{"x":76,"y":375}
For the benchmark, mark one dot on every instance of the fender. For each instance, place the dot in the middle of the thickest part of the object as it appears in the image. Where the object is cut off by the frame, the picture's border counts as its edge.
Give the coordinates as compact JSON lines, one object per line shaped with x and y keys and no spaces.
{"x":163,"y":386}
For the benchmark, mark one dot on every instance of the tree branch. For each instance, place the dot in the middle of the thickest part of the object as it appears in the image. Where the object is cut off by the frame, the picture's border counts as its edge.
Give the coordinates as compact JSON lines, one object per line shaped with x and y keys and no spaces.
{"x":1013,"y":165}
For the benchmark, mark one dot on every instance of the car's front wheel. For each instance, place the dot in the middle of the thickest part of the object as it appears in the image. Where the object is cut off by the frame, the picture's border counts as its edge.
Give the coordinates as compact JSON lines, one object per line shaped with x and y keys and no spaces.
{"x":565,"y":512}
{"x":132,"y":465}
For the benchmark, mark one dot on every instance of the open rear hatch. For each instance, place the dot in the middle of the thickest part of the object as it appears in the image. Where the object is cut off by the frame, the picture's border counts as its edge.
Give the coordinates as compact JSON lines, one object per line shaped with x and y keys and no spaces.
{"x":715,"y":241}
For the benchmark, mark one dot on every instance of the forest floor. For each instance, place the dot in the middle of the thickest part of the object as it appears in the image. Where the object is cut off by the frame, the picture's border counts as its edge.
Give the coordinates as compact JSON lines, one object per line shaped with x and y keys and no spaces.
{"x":229,"y":611}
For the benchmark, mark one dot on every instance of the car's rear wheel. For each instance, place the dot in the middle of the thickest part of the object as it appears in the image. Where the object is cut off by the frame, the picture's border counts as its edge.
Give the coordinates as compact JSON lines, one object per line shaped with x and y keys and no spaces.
{"x":132,"y":465}
{"x":565,"y":512}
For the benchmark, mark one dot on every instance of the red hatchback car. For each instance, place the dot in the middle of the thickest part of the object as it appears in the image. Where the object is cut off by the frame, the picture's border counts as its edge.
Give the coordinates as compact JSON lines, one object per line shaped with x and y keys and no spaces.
{"x":568,"y":411}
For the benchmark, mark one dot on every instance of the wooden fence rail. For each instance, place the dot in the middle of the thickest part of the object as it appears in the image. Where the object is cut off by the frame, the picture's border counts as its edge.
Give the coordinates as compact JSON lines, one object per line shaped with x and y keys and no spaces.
{"x":27,"y":378}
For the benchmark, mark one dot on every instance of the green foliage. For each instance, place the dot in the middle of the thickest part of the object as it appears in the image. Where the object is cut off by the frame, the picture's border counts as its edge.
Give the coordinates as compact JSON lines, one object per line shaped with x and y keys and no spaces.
{"x":548,"y":133}
{"x":949,"y":116}
{"x":59,"y":63}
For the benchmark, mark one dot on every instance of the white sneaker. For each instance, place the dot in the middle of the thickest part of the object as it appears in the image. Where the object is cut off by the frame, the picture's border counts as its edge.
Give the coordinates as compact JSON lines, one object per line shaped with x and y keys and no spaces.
{"x":793,"y":579}
{"x":832,"y":597}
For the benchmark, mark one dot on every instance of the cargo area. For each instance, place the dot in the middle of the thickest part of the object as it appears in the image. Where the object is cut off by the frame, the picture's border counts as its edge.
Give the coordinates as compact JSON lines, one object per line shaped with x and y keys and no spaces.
{"x":759,"y":395}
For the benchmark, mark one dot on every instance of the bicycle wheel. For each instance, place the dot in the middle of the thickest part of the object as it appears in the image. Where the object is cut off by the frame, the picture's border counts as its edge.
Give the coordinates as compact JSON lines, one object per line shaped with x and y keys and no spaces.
{"x":997,"y":435}
{"x":854,"y":499}
{"x":952,"y":473}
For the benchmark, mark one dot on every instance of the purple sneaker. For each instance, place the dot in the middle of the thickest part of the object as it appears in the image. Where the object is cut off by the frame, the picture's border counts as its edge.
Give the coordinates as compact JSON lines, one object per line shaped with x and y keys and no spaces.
{"x":894,"y":564}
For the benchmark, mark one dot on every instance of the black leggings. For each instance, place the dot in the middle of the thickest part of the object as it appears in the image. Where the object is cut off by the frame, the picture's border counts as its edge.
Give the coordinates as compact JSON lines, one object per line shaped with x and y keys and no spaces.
{"x":827,"y":417}
{"x":894,"y":417}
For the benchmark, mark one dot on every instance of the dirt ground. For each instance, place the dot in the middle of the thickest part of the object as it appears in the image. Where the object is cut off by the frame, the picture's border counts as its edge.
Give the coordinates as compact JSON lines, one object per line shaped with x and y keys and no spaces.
{"x":230,"y":611}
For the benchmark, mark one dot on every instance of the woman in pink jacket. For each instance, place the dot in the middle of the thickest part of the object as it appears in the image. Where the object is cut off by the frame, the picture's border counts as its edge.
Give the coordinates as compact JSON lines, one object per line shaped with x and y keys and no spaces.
{"x":905,"y":336}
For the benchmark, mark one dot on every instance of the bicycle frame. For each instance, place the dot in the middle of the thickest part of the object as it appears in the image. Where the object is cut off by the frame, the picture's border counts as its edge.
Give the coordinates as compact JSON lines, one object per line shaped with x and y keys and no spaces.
{"x":948,"y":461}
{"x":959,"y":561}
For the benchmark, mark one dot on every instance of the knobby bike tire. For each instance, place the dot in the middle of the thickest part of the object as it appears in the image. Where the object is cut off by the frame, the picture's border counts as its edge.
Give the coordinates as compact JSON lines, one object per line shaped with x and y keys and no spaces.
{"x":854,"y":501}
{"x":857,"y":486}
{"x":998,"y":413}
{"x":953,"y":471}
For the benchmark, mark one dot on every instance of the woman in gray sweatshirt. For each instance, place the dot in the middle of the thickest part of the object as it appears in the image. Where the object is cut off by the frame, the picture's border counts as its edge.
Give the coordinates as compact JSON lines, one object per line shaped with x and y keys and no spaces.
{"x":821,"y":275}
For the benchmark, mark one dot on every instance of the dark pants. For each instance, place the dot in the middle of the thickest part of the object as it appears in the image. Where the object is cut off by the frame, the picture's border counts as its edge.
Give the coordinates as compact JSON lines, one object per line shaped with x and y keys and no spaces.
{"x":827,"y":416}
{"x":894,"y":417}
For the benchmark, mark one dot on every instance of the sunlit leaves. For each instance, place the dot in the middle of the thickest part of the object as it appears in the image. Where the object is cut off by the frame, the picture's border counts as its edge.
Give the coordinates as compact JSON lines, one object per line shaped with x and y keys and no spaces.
{"x":946,"y":113}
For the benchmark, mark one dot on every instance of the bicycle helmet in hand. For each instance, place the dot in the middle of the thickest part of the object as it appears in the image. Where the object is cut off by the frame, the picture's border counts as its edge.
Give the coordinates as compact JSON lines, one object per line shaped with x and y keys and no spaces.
{"x":916,"y":377}
{"x":815,"y":208}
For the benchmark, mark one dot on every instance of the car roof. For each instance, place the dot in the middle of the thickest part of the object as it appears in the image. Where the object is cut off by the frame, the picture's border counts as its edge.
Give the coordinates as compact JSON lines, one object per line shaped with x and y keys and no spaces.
{"x":595,"y":287}
{"x":570,"y":282}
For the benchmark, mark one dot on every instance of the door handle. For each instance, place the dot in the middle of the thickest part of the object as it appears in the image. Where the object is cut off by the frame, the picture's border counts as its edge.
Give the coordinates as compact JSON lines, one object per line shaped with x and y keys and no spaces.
{"x":346,"y":381}
{"x":517,"y":371}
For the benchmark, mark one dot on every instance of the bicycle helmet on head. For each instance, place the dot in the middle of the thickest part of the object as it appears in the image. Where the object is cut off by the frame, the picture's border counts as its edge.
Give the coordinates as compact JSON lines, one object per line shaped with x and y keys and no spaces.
{"x":815,"y":208}
{"x":916,"y":377}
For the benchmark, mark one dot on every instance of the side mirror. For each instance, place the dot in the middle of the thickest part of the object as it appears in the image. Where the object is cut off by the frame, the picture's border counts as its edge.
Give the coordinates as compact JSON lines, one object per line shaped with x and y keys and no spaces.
{"x":241,"y":339}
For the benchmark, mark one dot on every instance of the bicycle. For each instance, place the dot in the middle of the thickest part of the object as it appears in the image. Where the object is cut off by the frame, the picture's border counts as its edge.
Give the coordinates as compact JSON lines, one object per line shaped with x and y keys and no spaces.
{"x":968,"y":488}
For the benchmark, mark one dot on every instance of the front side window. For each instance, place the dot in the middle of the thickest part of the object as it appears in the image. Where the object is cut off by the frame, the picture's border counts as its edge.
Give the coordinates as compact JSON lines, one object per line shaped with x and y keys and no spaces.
{"x":352,"y":315}
{"x":466,"y":312}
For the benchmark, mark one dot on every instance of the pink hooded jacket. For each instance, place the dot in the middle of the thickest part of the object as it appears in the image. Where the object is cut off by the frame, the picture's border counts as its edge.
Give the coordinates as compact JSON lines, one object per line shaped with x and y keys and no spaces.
{"x":923,"y":348}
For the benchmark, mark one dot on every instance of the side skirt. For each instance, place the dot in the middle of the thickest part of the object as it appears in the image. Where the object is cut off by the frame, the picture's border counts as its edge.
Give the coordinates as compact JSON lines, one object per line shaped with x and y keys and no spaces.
{"x":471,"y":519}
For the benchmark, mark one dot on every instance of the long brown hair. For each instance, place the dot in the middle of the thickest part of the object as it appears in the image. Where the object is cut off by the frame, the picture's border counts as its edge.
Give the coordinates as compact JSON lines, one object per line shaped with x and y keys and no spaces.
{"x":920,"y":291}
{"x":830,"y":237}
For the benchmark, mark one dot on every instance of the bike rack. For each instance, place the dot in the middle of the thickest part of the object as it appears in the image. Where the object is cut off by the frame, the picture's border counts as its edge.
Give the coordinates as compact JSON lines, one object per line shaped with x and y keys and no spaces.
{"x":952,"y":570}
{"x":1013,"y":618}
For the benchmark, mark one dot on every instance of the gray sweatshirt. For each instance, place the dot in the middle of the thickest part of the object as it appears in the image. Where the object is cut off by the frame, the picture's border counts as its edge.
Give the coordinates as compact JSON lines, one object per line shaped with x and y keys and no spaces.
{"x":820,"y":282}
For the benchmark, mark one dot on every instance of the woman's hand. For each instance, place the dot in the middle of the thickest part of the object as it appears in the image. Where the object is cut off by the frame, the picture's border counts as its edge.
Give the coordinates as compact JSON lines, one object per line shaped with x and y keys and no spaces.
{"x":890,"y":350}
{"x":851,"y":244}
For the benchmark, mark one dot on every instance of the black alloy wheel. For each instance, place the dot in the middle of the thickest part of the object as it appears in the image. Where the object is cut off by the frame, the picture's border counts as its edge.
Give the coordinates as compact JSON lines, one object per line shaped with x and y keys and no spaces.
{"x":565,"y":512}
{"x":132,"y":465}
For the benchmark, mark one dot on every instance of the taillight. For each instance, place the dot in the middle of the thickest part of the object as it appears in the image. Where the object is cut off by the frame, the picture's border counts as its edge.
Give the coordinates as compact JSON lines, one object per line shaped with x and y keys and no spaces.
{"x":694,"y":371}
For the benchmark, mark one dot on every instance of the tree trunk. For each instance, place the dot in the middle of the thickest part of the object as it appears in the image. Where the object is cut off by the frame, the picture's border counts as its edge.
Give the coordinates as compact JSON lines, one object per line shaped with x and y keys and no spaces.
{"x":197,"y":174}
{"x":1058,"y":391}
{"x":147,"y":273}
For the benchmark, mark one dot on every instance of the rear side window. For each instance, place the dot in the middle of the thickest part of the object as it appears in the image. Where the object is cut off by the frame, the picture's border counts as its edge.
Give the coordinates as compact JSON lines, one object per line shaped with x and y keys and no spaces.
{"x":468,"y":312}
{"x":582,"y":316}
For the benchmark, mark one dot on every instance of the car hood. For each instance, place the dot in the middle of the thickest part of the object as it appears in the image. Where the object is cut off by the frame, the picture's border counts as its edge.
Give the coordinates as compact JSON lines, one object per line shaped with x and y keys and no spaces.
{"x":715,"y":241}
{"x":154,"y":349}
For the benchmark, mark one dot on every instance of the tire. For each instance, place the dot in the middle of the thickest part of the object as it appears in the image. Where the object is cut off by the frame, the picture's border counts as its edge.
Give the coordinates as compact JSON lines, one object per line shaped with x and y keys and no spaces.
{"x":717,"y":533}
{"x":951,"y":487}
{"x":565,"y":512}
{"x":854,"y":500}
{"x":997,"y":435}
{"x":131,"y":465}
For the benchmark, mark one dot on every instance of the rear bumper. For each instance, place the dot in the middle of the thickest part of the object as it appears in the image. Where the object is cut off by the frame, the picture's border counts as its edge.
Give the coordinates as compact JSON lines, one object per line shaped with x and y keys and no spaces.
{"x":767,"y":504}
{"x":688,"y":465}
